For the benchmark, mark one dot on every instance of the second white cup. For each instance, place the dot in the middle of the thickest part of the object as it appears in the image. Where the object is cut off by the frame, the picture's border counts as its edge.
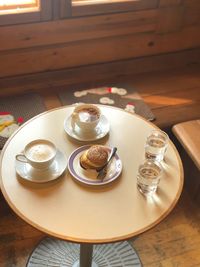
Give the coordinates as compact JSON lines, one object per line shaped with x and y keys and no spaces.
{"x":86,"y":117}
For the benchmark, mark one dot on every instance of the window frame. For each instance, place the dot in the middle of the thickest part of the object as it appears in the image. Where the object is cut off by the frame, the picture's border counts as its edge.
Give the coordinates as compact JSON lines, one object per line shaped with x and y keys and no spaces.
{"x":61,"y":9}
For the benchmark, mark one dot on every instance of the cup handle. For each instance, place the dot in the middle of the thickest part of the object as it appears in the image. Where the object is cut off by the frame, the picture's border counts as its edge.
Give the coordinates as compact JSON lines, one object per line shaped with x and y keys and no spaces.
{"x":22,"y":158}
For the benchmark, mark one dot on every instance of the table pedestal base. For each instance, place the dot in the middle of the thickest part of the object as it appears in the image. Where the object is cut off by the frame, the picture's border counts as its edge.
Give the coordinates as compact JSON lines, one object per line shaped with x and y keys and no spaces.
{"x":57,"y":253}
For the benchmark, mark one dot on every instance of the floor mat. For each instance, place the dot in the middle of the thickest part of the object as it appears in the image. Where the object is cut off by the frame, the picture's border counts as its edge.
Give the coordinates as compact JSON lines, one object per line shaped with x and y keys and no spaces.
{"x":15,"y":110}
{"x":125,"y":98}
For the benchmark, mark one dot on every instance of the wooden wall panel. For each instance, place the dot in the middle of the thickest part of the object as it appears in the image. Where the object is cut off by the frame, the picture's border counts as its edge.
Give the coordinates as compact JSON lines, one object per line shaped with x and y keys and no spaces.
{"x":192,"y":14}
{"x":89,"y":76}
{"x":65,"y":31}
{"x":95,"y":51}
{"x":64,"y":44}
{"x":167,"y":3}
{"x":170,"y":19}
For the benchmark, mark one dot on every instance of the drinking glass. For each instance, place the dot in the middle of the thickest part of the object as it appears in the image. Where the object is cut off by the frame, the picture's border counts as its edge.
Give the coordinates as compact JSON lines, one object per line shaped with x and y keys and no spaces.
{"x":148,"y":177}
{"x":156,"y":145}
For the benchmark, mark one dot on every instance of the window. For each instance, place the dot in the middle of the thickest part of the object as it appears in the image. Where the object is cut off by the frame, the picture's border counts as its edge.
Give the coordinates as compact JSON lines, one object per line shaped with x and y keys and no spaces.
{"x":20,"y":11}
{"x":18,"y":6}
{"x":25,"y":11}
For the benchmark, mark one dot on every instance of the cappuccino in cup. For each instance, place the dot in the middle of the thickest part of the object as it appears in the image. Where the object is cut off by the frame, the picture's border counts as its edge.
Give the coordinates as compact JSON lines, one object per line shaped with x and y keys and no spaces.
{"x":86,"y":117}
{"x":88,"y":114}
{"x":38,"y":153}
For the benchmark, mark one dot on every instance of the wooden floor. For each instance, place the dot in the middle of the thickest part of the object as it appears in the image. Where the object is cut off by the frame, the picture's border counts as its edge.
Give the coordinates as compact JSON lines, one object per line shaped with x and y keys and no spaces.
{"x":175,"y":242}
{"x":174,"y":96}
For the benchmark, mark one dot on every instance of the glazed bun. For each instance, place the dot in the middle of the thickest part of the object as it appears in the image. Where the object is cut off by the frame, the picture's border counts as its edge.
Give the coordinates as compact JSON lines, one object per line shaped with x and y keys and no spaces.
{"x":95,"y":157}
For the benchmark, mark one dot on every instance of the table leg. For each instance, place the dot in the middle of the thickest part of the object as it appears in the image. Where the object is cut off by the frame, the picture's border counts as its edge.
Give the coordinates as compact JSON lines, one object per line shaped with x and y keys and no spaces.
{"x":86,"y":255}
{"x":57,"y":253}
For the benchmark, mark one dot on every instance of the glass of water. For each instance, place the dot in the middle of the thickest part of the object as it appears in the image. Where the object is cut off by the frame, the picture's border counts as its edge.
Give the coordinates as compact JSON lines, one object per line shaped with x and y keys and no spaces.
{"x":148,"y":177}
{"x":156,"y":145}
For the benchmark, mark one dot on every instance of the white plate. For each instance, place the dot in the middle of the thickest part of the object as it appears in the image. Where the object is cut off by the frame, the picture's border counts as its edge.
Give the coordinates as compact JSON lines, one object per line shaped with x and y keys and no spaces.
{"x":41,"y":176}
{"x":99,"y":132}
{"x":89,"y":177}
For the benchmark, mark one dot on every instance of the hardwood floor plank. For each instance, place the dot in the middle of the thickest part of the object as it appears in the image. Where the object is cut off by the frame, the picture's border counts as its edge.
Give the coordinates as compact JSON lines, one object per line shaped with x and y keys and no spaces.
{"x":175,"y":237}
{"x":174,"y":98}
{"x":166,"y":117}
{"x":51,"y":100}
{"x":189,"y":259}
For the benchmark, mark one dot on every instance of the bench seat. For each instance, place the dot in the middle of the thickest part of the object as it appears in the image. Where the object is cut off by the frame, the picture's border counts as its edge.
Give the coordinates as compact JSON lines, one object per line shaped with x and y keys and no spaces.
{"x":188,"y":134}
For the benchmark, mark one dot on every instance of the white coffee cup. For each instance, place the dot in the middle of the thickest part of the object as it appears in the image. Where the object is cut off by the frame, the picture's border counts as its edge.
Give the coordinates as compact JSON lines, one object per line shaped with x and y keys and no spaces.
{"x":86,"y":117}
{"x":39,"y":154}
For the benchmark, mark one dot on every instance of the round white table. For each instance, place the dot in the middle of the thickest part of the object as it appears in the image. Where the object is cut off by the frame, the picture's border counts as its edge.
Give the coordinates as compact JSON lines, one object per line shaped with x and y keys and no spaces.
{"x":87,"y":215}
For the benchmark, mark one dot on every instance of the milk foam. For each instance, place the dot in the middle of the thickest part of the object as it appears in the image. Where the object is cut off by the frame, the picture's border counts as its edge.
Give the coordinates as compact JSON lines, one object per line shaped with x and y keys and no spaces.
{"x":40,"y":152}
{"x":88,"y":114}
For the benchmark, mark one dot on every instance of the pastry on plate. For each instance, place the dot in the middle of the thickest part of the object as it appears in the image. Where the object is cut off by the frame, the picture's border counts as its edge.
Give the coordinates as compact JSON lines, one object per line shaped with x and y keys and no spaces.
{"x":95,"y":157}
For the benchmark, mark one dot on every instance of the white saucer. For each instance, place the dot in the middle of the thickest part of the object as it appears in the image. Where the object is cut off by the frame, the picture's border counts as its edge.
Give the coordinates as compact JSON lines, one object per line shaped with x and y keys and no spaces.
{"x":26,"y":171}
{"x":99,"y":132}
{"x":89,"y":177}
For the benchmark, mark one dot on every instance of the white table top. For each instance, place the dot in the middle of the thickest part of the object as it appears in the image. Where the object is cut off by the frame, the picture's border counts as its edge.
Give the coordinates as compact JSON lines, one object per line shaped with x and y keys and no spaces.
{"x":70,"y":211}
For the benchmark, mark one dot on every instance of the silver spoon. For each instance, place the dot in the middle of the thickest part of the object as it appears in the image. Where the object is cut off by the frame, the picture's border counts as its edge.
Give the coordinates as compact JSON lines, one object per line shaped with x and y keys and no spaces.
{"x":103,"y":171}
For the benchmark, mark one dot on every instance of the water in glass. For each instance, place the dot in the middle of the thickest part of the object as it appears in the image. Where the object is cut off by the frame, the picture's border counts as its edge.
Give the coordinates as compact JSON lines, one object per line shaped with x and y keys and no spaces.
{"x":148,"y":177}
{"x":156,"y":145}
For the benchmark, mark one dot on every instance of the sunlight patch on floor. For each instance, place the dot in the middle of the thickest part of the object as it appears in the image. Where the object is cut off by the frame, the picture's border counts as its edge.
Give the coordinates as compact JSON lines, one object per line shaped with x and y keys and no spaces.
{"x":167,"y":101}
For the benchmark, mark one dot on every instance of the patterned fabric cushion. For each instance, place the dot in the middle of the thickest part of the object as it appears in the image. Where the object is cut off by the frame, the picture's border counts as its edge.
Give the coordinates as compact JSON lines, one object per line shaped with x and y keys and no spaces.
{"x":14,"y":110}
